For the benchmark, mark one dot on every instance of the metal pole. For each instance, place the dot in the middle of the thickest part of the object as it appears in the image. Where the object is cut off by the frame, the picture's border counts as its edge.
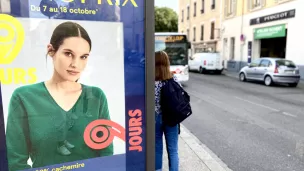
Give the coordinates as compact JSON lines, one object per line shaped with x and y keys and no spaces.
{"x":150,"y":77}
{"x":242,"y":45}
{"x":189,"y":24}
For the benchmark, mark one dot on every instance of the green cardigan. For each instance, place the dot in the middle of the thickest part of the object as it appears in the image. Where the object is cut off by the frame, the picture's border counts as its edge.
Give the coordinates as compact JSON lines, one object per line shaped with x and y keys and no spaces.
{"x":37,"y":127}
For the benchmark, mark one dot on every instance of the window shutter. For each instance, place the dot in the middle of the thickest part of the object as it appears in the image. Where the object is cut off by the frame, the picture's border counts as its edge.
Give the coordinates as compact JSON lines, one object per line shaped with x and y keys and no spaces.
{"x":226,"y":7}
{"x":263,"y":3}
{"x":234,"y":7}
{"x":249,"y":2}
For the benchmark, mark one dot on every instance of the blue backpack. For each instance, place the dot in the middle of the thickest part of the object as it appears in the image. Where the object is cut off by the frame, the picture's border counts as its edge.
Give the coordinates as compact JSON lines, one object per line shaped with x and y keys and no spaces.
{"x":175,"y":103}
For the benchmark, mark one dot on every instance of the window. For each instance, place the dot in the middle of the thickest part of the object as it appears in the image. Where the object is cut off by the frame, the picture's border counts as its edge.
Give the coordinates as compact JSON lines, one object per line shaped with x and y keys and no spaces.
{"x":194,"y":9}
{"x":230,"y":7}
{"x":265,"y":63}
{"x":202,"y":32}
{"x":194,"y":33}
{"x":203,"y":6}
{"x":212,"y":31}
{"x":182,"y":15}
{"x":188,"y":12}
{"x":256,"y":3}
{"x":232,"y":47}
{"x":213,"y":4}
{"x":286,"y":63}
{"x":255,"y":63}
{"x":279,"y":1}
{"x":188,"y":33}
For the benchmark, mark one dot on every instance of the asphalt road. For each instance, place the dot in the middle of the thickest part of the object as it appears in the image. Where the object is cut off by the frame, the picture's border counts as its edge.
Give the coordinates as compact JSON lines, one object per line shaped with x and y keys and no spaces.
{"x":249,"y":126}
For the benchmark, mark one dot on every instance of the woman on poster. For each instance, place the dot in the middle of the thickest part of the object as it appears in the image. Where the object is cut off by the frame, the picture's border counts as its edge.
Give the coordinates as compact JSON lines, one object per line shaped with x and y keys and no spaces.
{"x":46,"y":120}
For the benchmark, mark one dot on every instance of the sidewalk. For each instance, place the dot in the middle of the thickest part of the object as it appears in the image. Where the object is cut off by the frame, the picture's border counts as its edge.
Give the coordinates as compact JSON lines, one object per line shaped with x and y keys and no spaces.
{"x":194,"y":156}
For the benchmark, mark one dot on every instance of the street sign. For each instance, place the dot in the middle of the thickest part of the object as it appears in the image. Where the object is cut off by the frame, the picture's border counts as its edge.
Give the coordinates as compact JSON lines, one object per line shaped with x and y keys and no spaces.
{"x":270,"y":32}
{"x":273,"y":17}
{"x":171,"y":38}
{"x":75,"y":94}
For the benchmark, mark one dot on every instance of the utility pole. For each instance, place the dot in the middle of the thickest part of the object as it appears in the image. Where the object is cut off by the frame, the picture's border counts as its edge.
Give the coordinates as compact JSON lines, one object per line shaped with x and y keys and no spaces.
{"x":220,"y":28}
{"x":242,"y":45}
{"x":189,"y":25}
{"x":189,"y":20}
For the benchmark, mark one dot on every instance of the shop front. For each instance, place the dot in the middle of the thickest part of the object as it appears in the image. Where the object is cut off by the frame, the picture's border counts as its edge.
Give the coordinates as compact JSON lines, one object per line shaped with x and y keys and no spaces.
{"x":272,"y":40}
{"x":270,"y":34}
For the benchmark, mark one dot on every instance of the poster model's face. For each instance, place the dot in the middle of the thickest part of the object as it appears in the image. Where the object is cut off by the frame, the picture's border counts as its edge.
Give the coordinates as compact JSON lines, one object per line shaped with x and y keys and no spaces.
{"x":71,"y":57}
{"x":40,"y":133}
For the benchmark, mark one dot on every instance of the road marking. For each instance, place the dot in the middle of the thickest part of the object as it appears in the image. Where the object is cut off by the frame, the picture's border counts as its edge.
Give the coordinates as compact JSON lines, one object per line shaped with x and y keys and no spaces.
{"x":218,"y":103}
{"x":202,"y":151}
{"x":267,"y":107}
{"x":288,"y":114}
{"x":257,"y":104}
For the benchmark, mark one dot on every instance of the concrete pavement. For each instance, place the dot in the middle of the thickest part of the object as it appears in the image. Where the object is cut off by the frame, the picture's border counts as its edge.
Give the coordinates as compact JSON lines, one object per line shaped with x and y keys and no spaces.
{"x":249,"y":126}
{"x":195,"y":156}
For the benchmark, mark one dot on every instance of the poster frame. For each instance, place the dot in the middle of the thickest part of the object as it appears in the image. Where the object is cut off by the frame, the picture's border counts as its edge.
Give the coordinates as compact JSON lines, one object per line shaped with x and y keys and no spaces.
{"x":149,"y":91}
{"x":3,"y":161}
{"x":150,"y":84}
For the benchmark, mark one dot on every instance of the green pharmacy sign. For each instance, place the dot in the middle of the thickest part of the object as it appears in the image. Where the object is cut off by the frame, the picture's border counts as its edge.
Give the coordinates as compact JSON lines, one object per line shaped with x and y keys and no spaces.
{"x":270,"y":32}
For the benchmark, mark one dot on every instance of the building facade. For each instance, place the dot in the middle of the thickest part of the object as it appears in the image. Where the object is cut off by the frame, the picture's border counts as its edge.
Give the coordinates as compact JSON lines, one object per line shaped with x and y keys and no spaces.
{"x":201,"y":20}
{"x":5,"y":6}
{"x":262,"y":28}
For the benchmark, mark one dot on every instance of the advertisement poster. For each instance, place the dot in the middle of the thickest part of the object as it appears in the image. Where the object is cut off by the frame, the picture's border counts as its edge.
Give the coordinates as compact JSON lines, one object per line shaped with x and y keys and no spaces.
{"x":249,"y":52}
{"x":72,"y":76}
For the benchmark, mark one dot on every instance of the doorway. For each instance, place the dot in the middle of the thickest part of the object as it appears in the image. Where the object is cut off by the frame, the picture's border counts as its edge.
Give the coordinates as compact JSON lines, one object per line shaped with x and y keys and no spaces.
{"x":274,"y":47}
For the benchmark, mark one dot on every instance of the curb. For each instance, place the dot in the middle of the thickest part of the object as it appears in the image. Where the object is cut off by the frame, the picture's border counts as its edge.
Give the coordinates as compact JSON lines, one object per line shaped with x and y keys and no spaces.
{"x":202,"y":151}
{"x":234,"y":75}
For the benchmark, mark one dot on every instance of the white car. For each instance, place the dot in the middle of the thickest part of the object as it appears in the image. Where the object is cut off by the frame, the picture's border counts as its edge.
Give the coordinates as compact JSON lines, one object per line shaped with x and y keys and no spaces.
{"x":271,"y":71}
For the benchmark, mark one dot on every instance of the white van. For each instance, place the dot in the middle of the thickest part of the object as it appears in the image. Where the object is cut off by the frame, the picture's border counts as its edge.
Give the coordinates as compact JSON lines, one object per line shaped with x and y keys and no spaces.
{"x":206,"y":61}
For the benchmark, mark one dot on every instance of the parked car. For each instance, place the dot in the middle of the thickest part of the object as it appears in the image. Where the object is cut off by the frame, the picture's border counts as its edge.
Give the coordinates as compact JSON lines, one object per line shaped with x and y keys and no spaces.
{"x":206,"y":61}
{"x":271,"y":71}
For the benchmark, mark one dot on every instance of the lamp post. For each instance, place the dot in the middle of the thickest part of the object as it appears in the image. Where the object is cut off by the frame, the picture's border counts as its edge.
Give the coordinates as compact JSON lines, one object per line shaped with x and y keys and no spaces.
{"x":242,"y":37}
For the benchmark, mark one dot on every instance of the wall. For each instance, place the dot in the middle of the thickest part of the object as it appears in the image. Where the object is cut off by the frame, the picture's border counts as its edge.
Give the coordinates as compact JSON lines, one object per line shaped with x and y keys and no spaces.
{"x":295,"y":50}
{"x":205,"y":19}
{"x":242,"y":6}
{"x":182,"y":22}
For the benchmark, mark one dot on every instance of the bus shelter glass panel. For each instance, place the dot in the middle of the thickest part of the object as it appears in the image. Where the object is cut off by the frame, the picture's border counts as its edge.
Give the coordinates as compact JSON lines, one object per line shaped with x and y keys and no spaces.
{"x":72,"y":76}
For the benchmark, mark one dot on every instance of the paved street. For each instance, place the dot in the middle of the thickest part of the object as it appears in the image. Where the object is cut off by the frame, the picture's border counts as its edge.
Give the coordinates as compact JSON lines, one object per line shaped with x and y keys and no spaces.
{"x":249,"y":126}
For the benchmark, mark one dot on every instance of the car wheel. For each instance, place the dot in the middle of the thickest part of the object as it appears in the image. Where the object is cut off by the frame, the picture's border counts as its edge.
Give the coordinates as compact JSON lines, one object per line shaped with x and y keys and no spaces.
{"x":293,"y":84}
{"x":242,"y":77}
{"x":268,"y":81}
{"x":201,"y":70}
{"x":218,"y":72}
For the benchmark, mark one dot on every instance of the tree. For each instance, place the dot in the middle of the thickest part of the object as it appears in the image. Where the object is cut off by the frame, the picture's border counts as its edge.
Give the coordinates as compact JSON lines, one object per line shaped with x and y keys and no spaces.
{"x":166,"y":20}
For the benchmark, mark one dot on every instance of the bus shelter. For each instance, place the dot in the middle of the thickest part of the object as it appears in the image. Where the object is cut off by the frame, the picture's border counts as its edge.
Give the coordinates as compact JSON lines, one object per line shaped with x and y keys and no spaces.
{"x":77,"y":83}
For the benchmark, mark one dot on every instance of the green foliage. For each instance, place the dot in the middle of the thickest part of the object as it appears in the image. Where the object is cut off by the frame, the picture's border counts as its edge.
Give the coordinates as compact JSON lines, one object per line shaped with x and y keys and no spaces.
{"x":166,"y":20}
